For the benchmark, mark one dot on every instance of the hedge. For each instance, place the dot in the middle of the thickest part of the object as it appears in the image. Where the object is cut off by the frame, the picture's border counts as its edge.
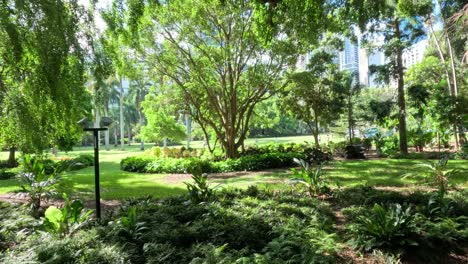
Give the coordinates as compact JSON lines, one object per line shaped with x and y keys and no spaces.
{"x":244,"y":163}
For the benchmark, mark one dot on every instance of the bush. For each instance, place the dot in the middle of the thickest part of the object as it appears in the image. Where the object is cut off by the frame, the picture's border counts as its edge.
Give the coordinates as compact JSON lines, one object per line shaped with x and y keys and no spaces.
{"x":463,"y":152}
{"x":338,"y":148}
{"x":244,"y":163}
{"x":135,"y":164}
{"x":86,"y":159}
{"x":6,"y":175}
{"x":391,"y":227}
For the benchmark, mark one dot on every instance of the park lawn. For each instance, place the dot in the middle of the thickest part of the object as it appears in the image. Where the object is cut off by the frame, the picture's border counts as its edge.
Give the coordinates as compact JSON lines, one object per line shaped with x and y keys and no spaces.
{"x":117,"y":184}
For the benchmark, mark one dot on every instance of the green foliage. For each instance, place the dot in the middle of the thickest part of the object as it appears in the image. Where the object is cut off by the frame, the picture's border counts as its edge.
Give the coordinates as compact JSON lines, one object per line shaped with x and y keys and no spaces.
{"x":316,"y":95}
{"x":389,"y":227}
{"x":86,"y":160}
{"x":199,"y":191}
{"x":130,"y":227}
{"x":244,"y":163}
{"x":312,"y":153}
{"x":135,"y":164}
{"x":35,"y":182}
{"x":67,"y":220}
{"x":42,"y":69}
{"x":16,"y":224}
{"x":86,"y":246}
{"x":311,"y":177}
{"x":436,"y":174}
{"x":6,"y":175}
{"x":463,"y":152}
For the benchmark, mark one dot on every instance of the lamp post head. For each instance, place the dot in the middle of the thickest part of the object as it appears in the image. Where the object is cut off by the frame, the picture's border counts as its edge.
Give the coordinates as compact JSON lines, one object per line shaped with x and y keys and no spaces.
{"x":106,"y":121}
{"x":84,"y":123}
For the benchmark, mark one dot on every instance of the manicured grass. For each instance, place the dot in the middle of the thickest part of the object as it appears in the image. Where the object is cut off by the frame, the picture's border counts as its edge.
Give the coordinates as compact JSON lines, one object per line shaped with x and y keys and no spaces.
{"x":117,"y":184}
{"x":388,"y":172}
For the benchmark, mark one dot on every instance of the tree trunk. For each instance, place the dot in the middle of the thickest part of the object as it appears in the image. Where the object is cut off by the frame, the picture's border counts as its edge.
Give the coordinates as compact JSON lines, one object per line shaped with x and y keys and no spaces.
{"x":142,"y":120}
{"x":116,"y":140}
{"x":129,"y":133}
{"x":457,"y":129}
{"x":350,"y":121}
{"x":401,"y":95}
{"x":230,"y":147}
{"x":315,"y":129}
{"x":11,"y":163}
{"x":122,"y":140}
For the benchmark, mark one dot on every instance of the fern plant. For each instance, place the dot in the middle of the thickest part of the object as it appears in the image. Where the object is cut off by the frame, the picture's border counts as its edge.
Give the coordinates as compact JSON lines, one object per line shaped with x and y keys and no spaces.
{"x":309,"y":176}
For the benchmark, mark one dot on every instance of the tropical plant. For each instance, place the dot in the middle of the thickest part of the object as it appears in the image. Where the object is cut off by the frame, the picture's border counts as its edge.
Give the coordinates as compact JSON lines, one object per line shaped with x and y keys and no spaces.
{"x":130,"y":226}
{"x":436,"y":174}
{"x":310,"y":176}
{"x":381,"y":227}
{"x":67,"y":220}
{"x":200,"y":190}
{"x":36,"y":182}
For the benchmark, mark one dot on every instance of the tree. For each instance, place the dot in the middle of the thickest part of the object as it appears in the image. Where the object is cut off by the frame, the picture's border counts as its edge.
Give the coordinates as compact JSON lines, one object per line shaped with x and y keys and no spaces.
{"x":41,"y":74}
{"x":353,"y":88}
{"x":400,"y":23}
{"x":210,"y":51}
{"x":161,"y":109}
{"x":138,"y":90}
{"x":316,"y":95}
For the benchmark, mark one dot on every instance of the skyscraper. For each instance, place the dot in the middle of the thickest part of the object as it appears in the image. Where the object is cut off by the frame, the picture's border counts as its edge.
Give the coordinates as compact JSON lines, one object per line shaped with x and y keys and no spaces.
{"x":349,"y":58}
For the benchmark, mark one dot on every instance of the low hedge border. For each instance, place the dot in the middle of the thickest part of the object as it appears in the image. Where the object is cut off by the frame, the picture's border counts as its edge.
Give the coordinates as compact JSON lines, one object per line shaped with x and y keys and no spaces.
{"x":245,"y":163}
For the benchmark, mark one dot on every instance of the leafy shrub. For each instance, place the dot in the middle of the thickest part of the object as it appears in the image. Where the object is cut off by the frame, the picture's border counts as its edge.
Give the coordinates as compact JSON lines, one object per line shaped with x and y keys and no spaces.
{"x":367,"y":143}
{"x":437,"y":174}
{"x":392,"y":227}
{"x":244,"y":163}
{"x":36,"y":182}
{"x":312,"y":153}
{"x":67,"y":220}
{"x":463,"y":152}
{"x":310,"y":177}
{"x":82,"y":248}
{"x":15,"y":225}
{"x":338,"y":148}
{"x":6,"y":175}
{"x":199,"y":191}
{"x":135,"y":164}
{"x":86,"y":160}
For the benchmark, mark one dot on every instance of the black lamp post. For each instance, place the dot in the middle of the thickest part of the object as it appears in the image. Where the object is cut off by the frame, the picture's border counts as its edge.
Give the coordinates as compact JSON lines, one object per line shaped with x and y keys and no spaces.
{"x":85,"y":123}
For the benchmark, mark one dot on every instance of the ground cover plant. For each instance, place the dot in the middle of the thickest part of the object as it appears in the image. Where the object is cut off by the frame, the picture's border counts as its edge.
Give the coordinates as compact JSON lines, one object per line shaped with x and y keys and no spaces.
{"x":248,"y":226}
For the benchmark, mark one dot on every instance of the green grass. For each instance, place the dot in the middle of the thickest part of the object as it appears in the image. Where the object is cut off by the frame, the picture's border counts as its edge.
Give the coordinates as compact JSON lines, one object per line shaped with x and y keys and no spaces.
{"x":117,"y":184}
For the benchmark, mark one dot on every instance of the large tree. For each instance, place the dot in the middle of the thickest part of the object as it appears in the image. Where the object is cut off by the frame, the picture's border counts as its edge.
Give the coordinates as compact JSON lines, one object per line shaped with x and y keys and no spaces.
{"x":316,"y":95}
{"x":400,"y":24}
{"x":41,"y":74}
{"x":210,"y":50}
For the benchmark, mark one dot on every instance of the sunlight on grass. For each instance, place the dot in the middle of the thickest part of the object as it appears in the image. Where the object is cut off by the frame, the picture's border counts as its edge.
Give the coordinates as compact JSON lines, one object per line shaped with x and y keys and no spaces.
{"x":118,"y":184}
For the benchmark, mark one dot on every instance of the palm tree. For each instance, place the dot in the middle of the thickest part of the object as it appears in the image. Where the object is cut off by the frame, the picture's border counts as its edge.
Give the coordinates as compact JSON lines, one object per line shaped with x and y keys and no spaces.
{"x":138,"y":90}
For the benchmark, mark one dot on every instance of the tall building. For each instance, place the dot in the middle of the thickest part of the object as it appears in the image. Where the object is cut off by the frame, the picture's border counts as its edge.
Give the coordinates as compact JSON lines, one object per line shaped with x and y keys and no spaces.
{"x":375,"y":58}
{"x":348,"y":59}
{"x":414,"y":54}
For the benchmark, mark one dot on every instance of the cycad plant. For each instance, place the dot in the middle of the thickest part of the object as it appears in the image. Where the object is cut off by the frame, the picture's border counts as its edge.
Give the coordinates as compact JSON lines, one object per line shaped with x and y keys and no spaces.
{"x":437,"y":174}
{"x":310,"y":176}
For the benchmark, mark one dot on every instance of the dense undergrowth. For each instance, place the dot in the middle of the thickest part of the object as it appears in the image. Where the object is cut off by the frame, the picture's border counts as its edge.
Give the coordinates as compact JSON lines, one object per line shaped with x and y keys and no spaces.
{"x":250,"y":226}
